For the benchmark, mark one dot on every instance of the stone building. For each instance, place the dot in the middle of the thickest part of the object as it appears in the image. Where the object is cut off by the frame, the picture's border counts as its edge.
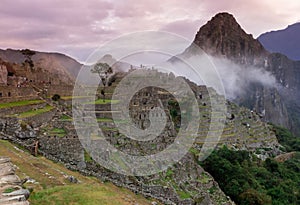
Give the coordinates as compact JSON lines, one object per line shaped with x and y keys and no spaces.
{"x":3,"y":75}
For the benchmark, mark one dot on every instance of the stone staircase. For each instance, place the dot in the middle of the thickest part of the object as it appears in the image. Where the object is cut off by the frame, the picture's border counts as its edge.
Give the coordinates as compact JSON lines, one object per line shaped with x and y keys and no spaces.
{"x":11,"y":191}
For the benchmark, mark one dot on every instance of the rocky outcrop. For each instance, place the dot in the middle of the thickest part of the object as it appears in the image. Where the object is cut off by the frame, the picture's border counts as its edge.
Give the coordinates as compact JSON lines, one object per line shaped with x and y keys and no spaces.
{"x":11,"y":191}
{"x":223,"y":36}
{"x":284,"y":157}
{"x":287,"y":73}
{"x":268,"y":103}
{"x":18,"y":132}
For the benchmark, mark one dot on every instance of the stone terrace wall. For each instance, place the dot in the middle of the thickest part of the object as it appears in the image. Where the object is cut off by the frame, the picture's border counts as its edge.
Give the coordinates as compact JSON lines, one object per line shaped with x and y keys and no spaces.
{"x":20,"y":109}
{"x":61,"y":90}
{"x":69,"y":151}
{"x":34,"y":121}
{"x":11,"y":94}
{"x":13,"y":130}
{"x":38,"y":120}
{"x":65,"y":149}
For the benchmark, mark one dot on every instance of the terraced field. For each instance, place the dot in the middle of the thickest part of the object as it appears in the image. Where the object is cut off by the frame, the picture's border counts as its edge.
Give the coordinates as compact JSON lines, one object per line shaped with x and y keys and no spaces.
{"x":20,"y":103}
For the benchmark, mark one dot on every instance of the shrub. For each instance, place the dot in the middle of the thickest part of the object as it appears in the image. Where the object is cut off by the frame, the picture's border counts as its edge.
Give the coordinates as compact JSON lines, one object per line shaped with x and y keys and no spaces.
{"x":55,"y":97}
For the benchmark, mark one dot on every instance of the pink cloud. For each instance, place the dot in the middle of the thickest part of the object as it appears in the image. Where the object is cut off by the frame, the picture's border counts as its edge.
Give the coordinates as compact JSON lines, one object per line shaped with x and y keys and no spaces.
{"x":75,"y":25}
{"x":186,"y":28}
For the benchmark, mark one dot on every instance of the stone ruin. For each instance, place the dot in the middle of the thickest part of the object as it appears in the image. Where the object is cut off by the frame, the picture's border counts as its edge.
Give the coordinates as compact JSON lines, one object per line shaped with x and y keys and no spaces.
{"x":10,"y":181}
{"x":243,"y":130}
{"x":20,"y":82}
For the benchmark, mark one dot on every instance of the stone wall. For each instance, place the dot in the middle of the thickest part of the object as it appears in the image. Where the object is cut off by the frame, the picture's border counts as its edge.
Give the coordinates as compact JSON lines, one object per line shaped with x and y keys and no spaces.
{"x":3,"y":75}
{"x":65,"y":149}
{"x":40,"y":119}
{"x":18,"y":132}
{"x":68,"y":150}
{"x":12,"y":94}
{"x":20,"y":109}
{"x":62,"y":90}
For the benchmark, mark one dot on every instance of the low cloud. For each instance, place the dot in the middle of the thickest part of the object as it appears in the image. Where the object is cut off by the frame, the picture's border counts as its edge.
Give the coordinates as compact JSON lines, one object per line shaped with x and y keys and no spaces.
{"x":236,"y":78}
{"x":223,"y":75}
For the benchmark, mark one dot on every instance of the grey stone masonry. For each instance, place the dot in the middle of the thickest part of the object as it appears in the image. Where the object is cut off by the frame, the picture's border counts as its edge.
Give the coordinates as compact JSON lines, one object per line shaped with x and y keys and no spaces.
{"x":11,"y":191}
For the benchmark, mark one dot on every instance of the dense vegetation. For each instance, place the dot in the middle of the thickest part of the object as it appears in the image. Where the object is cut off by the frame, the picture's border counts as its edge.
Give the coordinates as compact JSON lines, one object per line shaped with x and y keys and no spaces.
{"x":249,"y":180}
{"x":287,"y":139}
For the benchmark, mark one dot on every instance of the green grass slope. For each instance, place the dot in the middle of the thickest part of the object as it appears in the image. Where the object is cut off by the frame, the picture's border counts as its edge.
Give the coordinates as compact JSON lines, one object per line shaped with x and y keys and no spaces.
{"x":51,"y":186}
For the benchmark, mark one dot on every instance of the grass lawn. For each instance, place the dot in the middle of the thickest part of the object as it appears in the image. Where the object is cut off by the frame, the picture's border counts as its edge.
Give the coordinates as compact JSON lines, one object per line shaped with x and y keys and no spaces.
{"x":20,"y":103}
{"x":79,"y":194}
{"x":31,"y":113}
{"x":73,"y":97}
{"x":104,"y":120}
{"x":103,"y":102}
{"x":111,"y":120}
{"x":109,"y":128}
{"x":66,"y":118}
{"x":52,"y":187}
{"x":58,"y":132}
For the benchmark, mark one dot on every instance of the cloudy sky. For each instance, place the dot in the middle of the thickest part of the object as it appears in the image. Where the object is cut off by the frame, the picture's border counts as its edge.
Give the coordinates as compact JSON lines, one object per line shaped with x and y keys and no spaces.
{"x":77,"y":27}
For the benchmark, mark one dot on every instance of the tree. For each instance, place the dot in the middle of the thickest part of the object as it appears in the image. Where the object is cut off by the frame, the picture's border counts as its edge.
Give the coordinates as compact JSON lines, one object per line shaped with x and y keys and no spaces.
{"x":252,"y":196}
{"x":103,"y":94}
{"x":28,"y":54}
{"x":104,"y":71}
{"x":55,"y":97}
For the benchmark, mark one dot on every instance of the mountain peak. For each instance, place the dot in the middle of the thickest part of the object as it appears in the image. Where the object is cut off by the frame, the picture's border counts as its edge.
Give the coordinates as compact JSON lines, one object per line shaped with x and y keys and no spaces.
{"x":223,"y":36}
{"x":225,"y":18}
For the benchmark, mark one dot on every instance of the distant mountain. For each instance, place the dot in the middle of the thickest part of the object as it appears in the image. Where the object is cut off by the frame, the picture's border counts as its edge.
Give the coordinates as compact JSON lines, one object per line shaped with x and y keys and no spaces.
{"x":286,"y":41}
{"x":117,"y":66}
{"x":59,"y":67}
{"x":223,"y":38}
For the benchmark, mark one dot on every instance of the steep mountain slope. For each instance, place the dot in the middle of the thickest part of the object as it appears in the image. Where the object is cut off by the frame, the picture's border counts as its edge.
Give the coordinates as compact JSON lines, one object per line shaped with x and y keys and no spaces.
{"x":185,"y":182}
{"x":223,"y":38}
{"x":285,"y":41}
{"x":54,"y":64}
{"x":287,"y":73}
